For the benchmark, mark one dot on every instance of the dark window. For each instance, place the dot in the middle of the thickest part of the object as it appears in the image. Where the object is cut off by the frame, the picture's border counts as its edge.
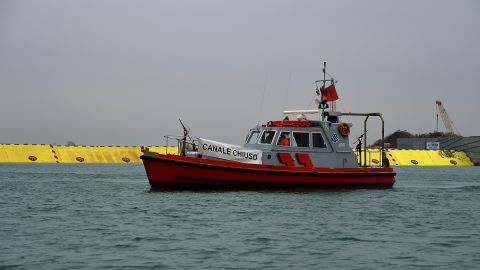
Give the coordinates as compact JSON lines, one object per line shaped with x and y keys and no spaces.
{"x":301,"y":139}
{"x":267,"y":137}
{"x":318,"y":141}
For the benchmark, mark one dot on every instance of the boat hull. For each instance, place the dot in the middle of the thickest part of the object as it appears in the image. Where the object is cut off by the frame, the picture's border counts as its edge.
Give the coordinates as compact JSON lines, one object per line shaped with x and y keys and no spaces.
{"x":179,"y":172}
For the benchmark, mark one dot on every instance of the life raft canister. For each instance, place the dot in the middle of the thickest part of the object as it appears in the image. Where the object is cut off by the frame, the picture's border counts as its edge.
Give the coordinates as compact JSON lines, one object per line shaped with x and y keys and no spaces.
{"x":344,"y":129}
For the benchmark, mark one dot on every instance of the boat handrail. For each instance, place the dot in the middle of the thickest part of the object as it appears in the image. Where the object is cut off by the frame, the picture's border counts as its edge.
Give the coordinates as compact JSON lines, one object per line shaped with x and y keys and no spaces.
{"x":191,"y":143}
{"x":383,"y":160}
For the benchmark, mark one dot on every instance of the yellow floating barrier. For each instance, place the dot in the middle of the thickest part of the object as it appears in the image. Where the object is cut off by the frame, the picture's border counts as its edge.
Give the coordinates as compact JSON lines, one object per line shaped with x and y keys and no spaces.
{"x":98,"y":154}
{"x":411,"y":158}
{"x":450,"y":158}
{"x":172,"y":150}
{"x":398,"y":157}
{"x":106,"y":154}
{"x":44,"y":153}
{"x":30,"y":153}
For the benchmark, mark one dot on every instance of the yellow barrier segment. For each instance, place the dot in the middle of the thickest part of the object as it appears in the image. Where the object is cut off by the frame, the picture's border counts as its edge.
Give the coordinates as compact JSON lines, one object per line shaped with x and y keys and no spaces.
{"x":373,"y":157}
{"x":106,"y":154}
{"x":450,"y":158}
{"x":414,"y":158}
{"x":398,"y":157}
{"x":98,"y":154}
{"x":173,"y":150}
{"x":32,"y":153}
{"x":394,"y":158}
{"x":44,"y":153}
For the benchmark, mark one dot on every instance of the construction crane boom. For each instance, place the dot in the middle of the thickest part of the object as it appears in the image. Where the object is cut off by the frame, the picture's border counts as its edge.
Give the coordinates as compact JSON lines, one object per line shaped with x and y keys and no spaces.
{"x":446,"y":120}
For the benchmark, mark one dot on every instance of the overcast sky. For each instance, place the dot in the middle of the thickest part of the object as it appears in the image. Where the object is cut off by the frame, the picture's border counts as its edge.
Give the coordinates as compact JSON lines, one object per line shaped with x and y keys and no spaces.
{"x":123,"y":72}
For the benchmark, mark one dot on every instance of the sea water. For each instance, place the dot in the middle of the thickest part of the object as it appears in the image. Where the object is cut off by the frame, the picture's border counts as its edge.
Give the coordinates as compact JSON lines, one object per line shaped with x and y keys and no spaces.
{"x":61,"y":216}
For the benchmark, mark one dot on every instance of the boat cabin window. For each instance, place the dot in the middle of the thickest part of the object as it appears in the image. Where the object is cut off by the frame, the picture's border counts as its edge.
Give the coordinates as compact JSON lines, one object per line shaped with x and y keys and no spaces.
{"x":284,"y":138}
{"x":253,"y":138}
{"x":318,"y":141}
{"x":267,"y":137}
{"x":301,"y":139}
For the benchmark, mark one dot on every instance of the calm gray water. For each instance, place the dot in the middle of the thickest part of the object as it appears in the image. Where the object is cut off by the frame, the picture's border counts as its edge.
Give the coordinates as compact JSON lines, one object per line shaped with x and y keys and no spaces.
{"x":60,"y":216}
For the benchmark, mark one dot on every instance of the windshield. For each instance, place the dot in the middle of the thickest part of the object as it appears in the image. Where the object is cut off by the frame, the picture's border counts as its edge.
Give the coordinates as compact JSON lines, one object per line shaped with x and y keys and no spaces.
{"x":267,"y":137}
{"x":253,"y":137}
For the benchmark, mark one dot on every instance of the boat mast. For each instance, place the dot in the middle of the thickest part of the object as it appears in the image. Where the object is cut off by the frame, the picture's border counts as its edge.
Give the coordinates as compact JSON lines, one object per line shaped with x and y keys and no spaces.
{"x":324,"y":82}
{"x":322,"y":104}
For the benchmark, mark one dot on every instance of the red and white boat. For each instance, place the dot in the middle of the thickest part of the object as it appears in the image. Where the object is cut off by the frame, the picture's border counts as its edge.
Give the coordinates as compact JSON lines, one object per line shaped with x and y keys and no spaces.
{"x":280,"y":154}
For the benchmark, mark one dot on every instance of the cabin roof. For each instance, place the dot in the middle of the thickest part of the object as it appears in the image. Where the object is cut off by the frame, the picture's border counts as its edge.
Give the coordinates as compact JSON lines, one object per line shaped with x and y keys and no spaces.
{"x":292,"y":123}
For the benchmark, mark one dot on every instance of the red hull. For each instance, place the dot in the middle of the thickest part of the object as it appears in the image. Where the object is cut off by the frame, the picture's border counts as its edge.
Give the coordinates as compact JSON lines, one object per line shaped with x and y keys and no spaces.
{"x":171,"y":171}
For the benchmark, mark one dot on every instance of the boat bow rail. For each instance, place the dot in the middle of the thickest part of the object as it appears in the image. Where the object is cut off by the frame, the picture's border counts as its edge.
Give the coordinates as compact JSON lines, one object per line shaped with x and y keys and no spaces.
{"x":363,"y":151}
{"x":185,"y":144}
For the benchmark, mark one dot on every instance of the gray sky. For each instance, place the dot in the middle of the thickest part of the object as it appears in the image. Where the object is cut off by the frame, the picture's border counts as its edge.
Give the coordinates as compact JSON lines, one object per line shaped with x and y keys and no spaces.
{"x":123,"y":72}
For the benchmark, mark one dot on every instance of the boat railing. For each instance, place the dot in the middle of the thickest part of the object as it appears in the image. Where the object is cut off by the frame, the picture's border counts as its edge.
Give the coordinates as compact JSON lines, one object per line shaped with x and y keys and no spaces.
{"x":363,"y":152}
{"x":184,"y":144}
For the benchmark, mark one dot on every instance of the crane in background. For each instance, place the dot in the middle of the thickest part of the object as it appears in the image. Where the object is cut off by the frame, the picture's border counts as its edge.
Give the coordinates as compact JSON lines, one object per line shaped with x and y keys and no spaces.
{"x":449,"y":126}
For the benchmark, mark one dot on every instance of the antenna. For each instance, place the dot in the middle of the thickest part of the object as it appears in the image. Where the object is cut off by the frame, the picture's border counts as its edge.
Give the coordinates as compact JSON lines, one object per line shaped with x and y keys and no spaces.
{"x":323,"y":105}
{"x":324,"y":74}
{"x":263,"y":98}
{"x":183,"y":149}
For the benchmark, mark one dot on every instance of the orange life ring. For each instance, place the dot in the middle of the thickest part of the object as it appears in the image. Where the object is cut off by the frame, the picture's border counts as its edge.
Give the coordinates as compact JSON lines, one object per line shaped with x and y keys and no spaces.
{"x":344,"y":129}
